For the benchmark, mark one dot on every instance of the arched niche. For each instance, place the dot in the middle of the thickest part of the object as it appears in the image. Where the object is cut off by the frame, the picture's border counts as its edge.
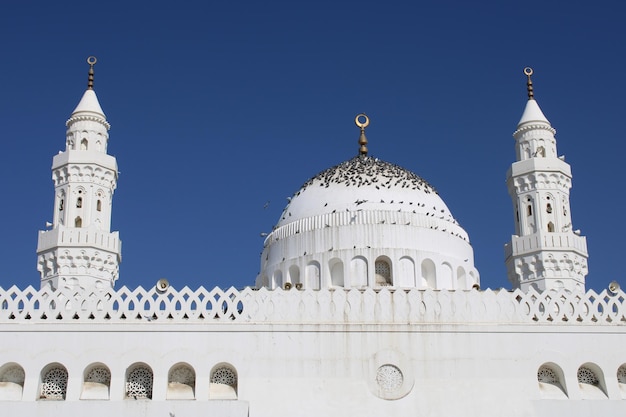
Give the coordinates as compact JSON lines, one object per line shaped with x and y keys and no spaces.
{"x":11,"y":382}
{"x":312,"y":274}
{"x":181,"y":382}
{"x":621,"y":380}
{"x":429,"y":274}
{"x":461,"y":279}
{"x":551,"y":381}
{"x":223,"y":382}
{"x":53,"y":383}
{"x":294,"y":274}
{"x":382,"y":272}
{"x":358,"y":272}
{"x":278,"y":279}
{"x":591,"y":382}
{"x":404,"y":273}
{"x":139,"y":382}
{"x":446,"y":277}
{"x":336,"y":272}
{"x":96,"y":382}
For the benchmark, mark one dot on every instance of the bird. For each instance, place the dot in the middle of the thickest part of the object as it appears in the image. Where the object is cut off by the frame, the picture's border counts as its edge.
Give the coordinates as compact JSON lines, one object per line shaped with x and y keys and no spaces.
{"x":267,"y":204}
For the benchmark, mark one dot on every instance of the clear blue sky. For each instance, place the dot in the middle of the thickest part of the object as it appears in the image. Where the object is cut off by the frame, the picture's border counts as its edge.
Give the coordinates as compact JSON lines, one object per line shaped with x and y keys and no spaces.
{"x":218,"y":107}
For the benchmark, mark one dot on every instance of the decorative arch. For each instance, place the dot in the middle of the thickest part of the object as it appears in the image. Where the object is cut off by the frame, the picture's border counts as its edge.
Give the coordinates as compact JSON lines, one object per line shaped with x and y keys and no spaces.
{"x":591,"y":382}
{"x":404,"y":274}
{"x":53,"y":382}
{"x":382,"y":272}
{"x":336,"y":272}
{"x":181,"y":382}
{"x":446,"y":276}
{"x":429,"y":273}
{"x":358,"y":272}
{"x":11,"y":382}
{"x":294,"y":274}
{"x":84,"y":144}
{"x":278,"y":279}
{"x":223,"y":382}
{"x":78,"y":222}
{"x":461,"y":280}
{"x":550,"y":227}
{"x":551,"y":381}
{"x":312,"y":274}
{"x":139,"y":381}
{"x":96,"y":382}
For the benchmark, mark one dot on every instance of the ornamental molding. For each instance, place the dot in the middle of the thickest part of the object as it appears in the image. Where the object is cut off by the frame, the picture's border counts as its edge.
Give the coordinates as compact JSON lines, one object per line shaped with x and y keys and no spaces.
{"x":535,"y":126}
{"x":85,"y":118}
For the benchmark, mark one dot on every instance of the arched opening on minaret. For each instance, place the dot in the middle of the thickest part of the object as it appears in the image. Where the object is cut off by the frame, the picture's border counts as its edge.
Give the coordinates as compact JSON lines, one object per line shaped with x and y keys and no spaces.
{"x":549,"y":208}
{"x":78,"y":222}
{"x":79,"y":202}
{"x":99,"y":205}
{"x":83,"y":145}
{"x":551,"y":227}
{"x":541,"y":152}
{"x":529,"y":210}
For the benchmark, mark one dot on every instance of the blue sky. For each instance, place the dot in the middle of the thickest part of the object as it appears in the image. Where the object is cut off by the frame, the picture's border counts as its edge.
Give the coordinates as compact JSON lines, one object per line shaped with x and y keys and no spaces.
{"x":218,"y":107}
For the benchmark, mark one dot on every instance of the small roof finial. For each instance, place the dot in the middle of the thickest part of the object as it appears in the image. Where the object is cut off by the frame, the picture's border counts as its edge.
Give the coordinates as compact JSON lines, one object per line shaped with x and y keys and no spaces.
{"x":529,"y":84}
{"x":362,"y":125}
{"x":91,"y":61}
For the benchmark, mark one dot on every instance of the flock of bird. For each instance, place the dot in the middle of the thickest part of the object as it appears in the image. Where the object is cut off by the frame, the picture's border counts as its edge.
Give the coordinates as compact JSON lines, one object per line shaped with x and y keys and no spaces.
{"x":365,"y":170}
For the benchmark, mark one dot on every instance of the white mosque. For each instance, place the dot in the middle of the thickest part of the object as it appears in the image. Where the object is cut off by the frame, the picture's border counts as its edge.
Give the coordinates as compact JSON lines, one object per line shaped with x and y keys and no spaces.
{"x":368,"y":303}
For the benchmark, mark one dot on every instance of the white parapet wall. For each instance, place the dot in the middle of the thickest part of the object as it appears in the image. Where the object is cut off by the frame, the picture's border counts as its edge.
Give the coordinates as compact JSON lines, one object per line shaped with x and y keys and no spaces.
{"x":309,"y":353}
{"x":310,"y":306}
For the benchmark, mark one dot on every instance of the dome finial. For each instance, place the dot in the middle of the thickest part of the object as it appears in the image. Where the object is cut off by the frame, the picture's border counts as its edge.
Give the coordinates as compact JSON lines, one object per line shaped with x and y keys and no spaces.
{"x":362,"y":125}
{"x":529,"y":84}
{"x":91,"y":61}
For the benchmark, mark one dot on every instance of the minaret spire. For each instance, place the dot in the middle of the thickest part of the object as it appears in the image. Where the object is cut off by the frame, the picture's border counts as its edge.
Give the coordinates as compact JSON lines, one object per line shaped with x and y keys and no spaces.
{"x":362,"y":125}
{"x":80,"y":250}
{"x":529,"y":84}
{"x":91,"y":61}
{"x":545,"y":252}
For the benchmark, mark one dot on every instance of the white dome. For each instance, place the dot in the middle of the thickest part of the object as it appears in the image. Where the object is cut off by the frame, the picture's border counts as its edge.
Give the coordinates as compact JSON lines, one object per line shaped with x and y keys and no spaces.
{"x":362,"y":184}
{"x":367,"y":223}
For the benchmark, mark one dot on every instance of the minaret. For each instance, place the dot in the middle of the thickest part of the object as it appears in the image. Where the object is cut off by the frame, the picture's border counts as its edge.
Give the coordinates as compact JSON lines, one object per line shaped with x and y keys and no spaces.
{"x":545,"y":252}
{"x":79,"y":250}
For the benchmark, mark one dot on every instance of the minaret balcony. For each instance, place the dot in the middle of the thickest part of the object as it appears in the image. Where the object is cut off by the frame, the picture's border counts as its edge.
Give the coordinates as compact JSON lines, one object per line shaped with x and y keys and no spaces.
{"x":567,"y":241}
{"x":62,"y":236}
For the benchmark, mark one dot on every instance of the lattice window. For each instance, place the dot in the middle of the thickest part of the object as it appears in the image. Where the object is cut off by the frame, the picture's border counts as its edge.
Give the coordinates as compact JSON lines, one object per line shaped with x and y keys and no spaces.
{"x":183,"y":375}
{"x":621,"y":374}
{"x":139,"y":383}
{"x":100,"y":375}
{"x":587,"y":376}
{"x":54,"y":386}
{"x":547,"y":375}
{"x":13,"y":374}
{"x":383,"y":273}
{"x":389,"y":378}
{"x":224,"y":375}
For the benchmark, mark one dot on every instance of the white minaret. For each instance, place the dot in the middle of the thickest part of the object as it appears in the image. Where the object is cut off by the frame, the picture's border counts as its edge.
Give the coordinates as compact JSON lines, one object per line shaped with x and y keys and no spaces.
{"x":545,"y":252}
{"x":80,"y":250}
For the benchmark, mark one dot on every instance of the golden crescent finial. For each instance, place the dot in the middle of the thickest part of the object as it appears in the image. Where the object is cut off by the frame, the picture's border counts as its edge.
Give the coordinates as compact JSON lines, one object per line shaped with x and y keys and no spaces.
{"x":91,"y":61}
{"x":362,"y":125}
{"x":528,"y":71}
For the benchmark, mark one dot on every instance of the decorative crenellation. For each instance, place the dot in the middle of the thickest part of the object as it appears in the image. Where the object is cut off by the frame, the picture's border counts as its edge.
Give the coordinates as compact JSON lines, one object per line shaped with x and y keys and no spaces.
{"x":300,"y":307}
